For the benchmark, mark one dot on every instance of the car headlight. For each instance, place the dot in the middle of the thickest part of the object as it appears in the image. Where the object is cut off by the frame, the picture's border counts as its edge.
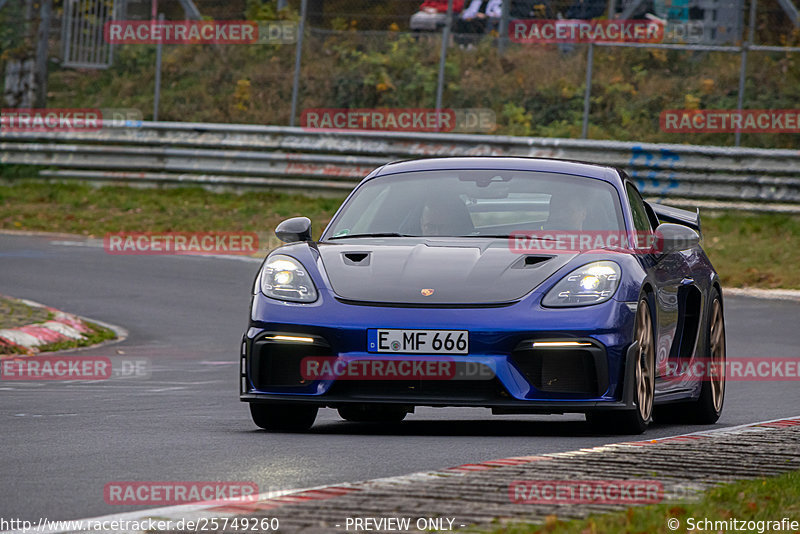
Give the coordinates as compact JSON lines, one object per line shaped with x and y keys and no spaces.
{"x":590,"y":284}
{"x":284,"y":278}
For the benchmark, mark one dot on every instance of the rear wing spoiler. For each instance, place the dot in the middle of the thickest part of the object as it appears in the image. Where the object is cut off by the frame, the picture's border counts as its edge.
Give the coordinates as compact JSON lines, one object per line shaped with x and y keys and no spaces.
{"x":668,"y":214}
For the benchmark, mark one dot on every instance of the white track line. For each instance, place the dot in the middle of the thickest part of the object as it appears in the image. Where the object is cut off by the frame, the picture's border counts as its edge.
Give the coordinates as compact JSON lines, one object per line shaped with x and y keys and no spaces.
{"x":196,"y":511}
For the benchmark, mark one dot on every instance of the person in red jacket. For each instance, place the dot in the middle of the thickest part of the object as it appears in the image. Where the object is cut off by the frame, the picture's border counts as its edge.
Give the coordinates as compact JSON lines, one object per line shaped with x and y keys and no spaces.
{"x":440,"y":6}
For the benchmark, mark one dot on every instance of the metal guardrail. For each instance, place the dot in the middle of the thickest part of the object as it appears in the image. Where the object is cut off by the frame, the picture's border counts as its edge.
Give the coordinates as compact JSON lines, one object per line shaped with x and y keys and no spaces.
{"x":298,"y":158}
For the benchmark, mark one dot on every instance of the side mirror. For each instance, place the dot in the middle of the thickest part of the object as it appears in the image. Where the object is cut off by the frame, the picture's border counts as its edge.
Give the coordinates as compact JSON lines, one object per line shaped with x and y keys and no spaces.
{"x":675,"y":237}
{"x":294,"y":229}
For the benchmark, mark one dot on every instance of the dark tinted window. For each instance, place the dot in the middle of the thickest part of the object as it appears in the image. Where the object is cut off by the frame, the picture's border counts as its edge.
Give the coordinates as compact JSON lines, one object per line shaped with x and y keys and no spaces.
{"x":640,"y":219}
{"x":478,"y":202}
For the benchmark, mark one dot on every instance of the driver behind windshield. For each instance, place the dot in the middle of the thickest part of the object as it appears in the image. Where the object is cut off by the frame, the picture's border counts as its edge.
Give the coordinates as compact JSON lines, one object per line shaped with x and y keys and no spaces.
{"x":445,"y":216}
{"x":565,"y":213}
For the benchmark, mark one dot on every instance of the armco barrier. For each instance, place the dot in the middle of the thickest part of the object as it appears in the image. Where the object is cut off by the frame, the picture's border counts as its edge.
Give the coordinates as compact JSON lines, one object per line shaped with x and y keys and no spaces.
{"x":298,"y":158}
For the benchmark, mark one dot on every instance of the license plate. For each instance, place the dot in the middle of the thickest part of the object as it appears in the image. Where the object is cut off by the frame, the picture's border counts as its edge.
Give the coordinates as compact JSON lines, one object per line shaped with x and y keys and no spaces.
{"x":418,"y":341}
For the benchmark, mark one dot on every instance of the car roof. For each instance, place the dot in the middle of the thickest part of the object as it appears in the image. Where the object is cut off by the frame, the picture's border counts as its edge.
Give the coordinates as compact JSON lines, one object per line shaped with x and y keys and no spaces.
{"x":578,"y":168}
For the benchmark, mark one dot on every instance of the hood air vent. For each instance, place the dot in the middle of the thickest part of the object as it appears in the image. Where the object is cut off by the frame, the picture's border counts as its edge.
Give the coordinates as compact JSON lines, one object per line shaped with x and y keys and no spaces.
{"x":356,"y":258}
{"x":528,"y":261}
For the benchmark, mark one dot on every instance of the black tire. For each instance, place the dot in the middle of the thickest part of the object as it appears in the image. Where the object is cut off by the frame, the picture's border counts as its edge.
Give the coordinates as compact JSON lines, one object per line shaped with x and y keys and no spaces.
{"x":373,"y":413}
{"x":707,"y":409}
{"x":637,"y":420}
{"x":283,"y":417}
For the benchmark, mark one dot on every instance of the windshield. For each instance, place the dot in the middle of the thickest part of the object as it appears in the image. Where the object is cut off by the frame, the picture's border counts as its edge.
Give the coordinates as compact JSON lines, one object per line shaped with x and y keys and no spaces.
{"x":477,"y":203}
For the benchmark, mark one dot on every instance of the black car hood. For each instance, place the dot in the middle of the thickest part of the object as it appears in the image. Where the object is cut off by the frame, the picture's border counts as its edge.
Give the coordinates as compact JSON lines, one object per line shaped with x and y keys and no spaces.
{"x":459,"y":271}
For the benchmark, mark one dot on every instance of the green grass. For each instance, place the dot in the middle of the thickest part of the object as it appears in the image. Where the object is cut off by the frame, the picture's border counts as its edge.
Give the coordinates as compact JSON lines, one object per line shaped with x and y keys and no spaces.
{"x":756,"y":250}
{"x":97,"y":334}
{"x":14,"y":313}
{"x":86,"y":210}
{"x":764,"y":499}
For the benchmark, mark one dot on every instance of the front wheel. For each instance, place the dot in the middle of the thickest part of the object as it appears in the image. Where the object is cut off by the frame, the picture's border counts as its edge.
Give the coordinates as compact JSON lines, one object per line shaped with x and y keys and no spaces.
{"x":283,"y":417}
{"x":637,"y":420}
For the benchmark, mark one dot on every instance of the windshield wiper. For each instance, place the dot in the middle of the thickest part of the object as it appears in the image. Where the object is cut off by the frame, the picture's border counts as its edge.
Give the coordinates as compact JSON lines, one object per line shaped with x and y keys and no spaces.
{"x":381,"y":234}
{"x":394,"y":234}
{"x":505,"y":236}
{"x":494,"y":236}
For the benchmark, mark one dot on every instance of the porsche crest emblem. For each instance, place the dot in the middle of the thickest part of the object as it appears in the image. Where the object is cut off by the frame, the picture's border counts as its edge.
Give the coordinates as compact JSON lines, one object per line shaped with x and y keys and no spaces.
{"x":426,"y":292}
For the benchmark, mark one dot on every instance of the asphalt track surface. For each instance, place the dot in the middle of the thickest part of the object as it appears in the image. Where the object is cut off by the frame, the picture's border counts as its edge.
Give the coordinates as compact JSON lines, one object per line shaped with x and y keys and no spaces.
{"x":62,"y":442}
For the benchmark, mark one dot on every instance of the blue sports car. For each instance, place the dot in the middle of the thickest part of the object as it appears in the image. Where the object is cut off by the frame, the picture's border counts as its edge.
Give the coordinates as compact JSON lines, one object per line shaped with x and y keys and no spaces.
{"x":517,"y":284}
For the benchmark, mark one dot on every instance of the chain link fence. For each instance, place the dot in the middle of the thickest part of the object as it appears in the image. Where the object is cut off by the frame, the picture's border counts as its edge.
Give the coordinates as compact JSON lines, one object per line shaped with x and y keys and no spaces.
{"x":362,"y":63}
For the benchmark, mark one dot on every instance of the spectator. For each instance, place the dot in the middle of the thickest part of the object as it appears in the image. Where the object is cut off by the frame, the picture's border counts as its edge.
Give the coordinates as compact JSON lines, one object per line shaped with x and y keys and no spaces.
{"x":440,"y":6}
{"x":478,"y":18}
{"x":494,"y":9}
{"x":432,"y":15}
{"x":471,"y":22}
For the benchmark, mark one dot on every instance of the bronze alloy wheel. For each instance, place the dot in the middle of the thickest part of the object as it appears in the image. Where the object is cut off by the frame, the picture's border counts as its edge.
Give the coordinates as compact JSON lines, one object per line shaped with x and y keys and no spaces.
{"x":717,"y":355}
{"x":645,"y":361}
{"x":707,"y":408}
{"x":637,"y":419}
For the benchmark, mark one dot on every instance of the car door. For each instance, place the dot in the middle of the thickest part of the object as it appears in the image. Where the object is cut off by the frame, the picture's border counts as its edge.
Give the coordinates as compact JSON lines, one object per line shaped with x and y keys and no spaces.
{"x":669,"y":272}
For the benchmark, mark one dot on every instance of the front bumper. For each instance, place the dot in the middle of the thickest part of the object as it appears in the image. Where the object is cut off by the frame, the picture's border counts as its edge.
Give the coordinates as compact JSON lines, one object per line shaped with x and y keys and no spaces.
{"x":592,"y":376}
